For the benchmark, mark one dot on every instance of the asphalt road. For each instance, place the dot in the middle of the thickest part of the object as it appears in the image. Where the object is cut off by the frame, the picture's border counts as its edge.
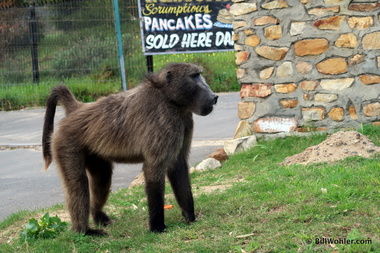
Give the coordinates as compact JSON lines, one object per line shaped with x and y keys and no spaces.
{"x":23,"y":184}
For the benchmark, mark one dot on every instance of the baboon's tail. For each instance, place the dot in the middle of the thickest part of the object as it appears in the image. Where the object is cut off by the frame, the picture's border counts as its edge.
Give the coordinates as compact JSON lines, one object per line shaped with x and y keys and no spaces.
{"x":62,"y":94}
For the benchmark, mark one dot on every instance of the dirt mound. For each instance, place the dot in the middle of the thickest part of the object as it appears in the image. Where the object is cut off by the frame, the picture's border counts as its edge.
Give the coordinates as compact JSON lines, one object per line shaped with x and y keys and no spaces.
{"x":336,"y":147}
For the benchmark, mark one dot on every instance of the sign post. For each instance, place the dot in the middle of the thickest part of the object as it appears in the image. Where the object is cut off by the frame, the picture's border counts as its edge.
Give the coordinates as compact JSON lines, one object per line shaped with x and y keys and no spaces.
{"x":185,"y":26}
{"x":120,"y":53}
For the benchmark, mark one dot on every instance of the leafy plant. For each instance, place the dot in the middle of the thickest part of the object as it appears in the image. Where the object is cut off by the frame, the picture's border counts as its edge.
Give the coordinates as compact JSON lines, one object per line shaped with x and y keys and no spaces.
{"x":48,"y":227}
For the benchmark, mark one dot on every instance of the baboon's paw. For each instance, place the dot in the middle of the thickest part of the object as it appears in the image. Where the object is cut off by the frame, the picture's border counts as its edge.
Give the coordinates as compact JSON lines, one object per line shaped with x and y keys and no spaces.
{"x":189,"y":217}
{"x":158,"y":229}
{"x":102,"y":219}
{"x":96,"y":232}
{"x":191,"y":220}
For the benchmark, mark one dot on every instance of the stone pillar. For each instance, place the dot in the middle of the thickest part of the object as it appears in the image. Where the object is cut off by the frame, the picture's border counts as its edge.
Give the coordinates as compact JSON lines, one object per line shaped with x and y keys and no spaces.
{"x":304,"y":63}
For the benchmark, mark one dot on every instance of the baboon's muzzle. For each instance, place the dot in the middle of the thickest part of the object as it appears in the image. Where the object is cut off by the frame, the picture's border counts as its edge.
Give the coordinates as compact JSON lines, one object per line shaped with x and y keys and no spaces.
{"x":216,"y":99}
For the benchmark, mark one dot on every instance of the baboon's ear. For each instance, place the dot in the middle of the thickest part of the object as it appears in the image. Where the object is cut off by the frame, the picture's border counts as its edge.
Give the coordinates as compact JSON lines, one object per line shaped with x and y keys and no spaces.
{"x":169,"y":76}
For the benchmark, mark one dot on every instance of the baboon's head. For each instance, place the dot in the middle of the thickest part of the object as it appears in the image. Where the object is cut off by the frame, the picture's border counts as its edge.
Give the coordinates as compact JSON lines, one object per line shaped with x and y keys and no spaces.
{"x":185,"y":86}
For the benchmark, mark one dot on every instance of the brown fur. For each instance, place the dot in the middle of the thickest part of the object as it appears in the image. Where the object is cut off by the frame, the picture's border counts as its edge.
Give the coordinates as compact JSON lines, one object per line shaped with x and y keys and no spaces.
{"x":151,"y":123}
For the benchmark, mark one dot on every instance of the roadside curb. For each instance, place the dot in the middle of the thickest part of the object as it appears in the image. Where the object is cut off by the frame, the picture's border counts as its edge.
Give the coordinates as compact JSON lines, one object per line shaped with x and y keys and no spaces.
{"x":20,"y":146}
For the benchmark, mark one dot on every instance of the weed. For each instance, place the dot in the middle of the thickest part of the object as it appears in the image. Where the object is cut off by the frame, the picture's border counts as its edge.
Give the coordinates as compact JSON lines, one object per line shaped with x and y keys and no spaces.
{"x":47,"y":227}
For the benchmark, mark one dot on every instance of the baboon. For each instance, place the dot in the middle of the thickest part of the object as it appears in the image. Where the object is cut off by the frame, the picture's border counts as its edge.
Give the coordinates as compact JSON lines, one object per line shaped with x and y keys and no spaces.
{"x":150,"y":124}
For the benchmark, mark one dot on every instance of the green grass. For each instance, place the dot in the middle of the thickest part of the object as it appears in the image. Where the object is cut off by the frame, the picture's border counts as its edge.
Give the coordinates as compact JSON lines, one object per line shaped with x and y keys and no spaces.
{"x":220,"y":75}
{"x":257,"y":205}
{"x":219,"y":68}
{"x":85,"y":89}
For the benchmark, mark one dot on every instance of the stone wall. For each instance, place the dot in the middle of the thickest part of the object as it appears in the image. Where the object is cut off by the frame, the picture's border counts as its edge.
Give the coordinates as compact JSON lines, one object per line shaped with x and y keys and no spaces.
{"x":307,"y":64}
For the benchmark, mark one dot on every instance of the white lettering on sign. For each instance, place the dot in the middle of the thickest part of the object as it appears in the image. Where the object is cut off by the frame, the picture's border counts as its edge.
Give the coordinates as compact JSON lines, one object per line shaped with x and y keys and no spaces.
{"x":194,"y":40}
{"x":189,"y":40}
{"x":224,"y":38}
{"x":161,"y":41}
{"x":192,"y":22}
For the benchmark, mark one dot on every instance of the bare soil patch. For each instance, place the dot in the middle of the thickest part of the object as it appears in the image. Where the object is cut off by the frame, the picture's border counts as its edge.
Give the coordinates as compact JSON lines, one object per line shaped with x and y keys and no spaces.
{"x":336,"y":147}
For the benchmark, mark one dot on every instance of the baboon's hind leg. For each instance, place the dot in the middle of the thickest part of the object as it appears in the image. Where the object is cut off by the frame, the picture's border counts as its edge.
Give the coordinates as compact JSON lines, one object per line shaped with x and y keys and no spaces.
{"x":74,"y":177}
{"x":100,"y":177}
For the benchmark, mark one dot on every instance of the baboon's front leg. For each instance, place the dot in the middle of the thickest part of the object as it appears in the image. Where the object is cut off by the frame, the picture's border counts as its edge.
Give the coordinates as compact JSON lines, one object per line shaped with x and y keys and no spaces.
{"x":180,"y":181}
{"x":155,"y":187}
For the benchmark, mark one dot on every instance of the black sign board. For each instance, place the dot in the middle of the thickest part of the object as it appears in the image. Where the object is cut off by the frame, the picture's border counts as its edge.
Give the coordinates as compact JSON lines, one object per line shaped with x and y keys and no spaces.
{"x":184,"y":26}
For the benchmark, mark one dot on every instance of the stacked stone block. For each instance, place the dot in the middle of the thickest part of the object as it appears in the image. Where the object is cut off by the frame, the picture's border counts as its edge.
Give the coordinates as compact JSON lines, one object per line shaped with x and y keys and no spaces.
{"x":307,"y":63}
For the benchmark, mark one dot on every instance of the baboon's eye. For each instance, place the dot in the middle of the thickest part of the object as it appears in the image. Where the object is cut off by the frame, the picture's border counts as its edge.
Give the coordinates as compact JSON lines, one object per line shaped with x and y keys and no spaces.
{"x":195,"y":75}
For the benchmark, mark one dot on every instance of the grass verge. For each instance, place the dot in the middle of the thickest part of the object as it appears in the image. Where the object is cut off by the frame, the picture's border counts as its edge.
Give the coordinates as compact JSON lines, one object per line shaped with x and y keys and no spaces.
{"x":14,"y":97}
{"x":251,"y":204}
{"x":219,"y":71}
